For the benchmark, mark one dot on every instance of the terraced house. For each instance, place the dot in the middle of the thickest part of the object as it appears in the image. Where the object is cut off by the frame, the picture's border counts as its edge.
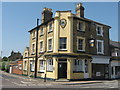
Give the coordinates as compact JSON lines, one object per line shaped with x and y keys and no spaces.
{"x":70,"y":46}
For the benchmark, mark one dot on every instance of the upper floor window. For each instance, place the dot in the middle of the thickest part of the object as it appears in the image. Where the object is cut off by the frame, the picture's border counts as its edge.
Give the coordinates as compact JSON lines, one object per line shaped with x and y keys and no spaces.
{"x":81,"y":44}
{"x":100,"y":47}
{"x":42,"y":66}
{"x":78,"y":65}
{"x":42,"y":31}
{"x":33,"y":34}
{"x":81,"y":26}
{"x":63,"y":44}
{"x":41,"y":46}
{"x":50,"y":44}
{"x":33,"y":47}
{"x":99,"y":30}
{"x":49,"y":65}
{"x":50,"y":27}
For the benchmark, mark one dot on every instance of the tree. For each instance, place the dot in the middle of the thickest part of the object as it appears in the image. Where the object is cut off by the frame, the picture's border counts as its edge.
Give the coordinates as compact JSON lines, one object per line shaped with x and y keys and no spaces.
{"x":4,"y":59}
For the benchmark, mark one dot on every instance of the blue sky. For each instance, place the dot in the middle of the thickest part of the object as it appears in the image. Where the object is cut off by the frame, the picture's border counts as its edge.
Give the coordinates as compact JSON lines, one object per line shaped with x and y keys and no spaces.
{"x":19,"y":17}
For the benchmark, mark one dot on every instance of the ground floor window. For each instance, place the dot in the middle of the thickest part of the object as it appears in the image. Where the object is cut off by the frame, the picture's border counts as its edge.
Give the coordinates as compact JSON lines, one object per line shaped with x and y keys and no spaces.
{"x":78,"y":64}
{"x":42,"y":65}
{"x":32,"y":65}
{"x":86,"y":66}
{"x":25,"y":65}
{"x":49,"y":65}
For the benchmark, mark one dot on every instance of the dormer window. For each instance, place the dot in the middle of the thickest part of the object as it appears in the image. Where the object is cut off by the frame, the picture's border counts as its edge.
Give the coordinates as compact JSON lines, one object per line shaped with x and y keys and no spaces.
{"x":99,"y":30}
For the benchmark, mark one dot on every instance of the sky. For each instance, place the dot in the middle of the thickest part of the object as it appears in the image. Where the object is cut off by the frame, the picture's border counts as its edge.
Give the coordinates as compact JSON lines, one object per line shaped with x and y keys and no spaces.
{"x":20,"y":17}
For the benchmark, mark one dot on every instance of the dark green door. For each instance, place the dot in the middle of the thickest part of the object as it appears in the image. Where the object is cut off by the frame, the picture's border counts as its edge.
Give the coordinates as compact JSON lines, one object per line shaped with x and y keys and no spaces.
{"x":62,"y":70}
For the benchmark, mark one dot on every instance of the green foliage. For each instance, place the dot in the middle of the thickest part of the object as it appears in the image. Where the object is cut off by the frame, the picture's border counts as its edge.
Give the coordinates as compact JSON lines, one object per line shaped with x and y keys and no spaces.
{"x":4,"y":59}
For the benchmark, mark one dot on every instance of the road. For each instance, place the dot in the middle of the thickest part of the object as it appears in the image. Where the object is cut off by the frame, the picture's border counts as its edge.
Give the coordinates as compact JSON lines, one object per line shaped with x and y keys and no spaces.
{"x":16,"y":81}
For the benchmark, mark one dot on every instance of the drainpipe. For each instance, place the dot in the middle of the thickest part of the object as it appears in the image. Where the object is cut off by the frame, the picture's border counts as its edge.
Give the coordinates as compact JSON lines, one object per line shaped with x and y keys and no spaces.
{"x":36,"y":56}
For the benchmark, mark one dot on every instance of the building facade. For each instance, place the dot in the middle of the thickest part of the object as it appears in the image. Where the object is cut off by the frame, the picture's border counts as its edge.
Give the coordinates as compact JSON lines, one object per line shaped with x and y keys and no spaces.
{"x":70,"y":46}
{"x":115,"y":60}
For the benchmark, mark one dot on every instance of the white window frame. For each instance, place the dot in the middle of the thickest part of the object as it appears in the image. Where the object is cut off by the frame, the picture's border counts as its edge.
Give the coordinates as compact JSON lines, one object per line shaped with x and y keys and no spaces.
{"x":34,"y":34}
{"x":79,"y":65}
{"x":42,"y":65}
{"x":60,"y":43}
{"x":50,"y":65}
{"x":51,"y":44}
{"x":32,"y":62}
{"x":41,"y":49}
{"x":83,"y":48}
{"x":83,"y":26}
{"x":102,"y":47}
{"x":101,"y":34}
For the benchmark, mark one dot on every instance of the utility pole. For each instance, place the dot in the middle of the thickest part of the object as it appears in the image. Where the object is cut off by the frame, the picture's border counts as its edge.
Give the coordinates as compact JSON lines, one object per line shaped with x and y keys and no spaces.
{"x":36,"y":56}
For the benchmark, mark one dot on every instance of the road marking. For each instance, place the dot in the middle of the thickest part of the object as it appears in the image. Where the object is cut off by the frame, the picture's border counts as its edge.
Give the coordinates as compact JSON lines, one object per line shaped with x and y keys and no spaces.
{"x":25,"y":82}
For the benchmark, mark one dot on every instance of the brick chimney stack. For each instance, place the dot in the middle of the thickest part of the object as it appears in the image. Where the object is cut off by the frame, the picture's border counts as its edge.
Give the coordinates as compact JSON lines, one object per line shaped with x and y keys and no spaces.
{"x":46,"y":14}
{"x":80,"y":10}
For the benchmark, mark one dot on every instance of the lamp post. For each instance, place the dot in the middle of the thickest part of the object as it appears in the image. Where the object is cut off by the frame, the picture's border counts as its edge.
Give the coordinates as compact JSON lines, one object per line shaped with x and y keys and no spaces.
{"x":36,"y":56}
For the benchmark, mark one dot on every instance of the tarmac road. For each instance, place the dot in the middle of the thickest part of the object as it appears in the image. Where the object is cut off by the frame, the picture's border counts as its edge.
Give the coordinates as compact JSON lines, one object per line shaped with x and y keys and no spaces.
{"x":16,"y":81}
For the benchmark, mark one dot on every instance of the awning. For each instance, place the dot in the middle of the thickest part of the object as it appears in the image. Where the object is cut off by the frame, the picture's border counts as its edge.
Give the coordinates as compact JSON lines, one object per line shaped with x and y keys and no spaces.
{"x":100,"y":59}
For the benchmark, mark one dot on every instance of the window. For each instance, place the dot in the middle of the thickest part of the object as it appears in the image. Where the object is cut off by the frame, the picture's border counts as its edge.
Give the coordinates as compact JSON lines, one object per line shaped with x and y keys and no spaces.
{"x":50,"y":45}
{"x":25,"y":65}
{"x":32,"y":65}
{"x":86,"y":66}
{"x":33,"y":47}
{"x":42,"y":66}
{"x":20,"y":66}
{"x":25,"y":54}
{"x":81,"y":44}
{"x":99,"y":30}
{"x":62,"y":44}
{"x":41,"y":46}
{"x":80,"y":26}
{"x":50,"y":27}
{"x":78,"y":64}
{"x":33,"y":34}
{"x":41,"y":31}
{"x":100,"y":48}
{"x":49,"y":65}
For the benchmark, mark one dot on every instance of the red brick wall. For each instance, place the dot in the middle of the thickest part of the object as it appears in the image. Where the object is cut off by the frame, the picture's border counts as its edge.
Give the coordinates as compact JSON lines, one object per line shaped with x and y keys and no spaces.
{"x":17,"y":68}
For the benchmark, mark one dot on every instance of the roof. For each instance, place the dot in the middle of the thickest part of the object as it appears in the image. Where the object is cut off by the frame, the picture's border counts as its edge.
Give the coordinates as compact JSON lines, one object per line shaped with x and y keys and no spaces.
{"x":85,"y":19}
{"x":41,"y":24}
{"x":115,"y":44}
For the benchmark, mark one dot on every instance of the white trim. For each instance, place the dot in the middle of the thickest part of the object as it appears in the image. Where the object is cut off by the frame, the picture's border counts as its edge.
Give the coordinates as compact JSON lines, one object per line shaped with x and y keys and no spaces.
{"x":48,"y":44}
{"x":101,"y":30}
{"x":83,"y":43}
{"x":102,"y":41}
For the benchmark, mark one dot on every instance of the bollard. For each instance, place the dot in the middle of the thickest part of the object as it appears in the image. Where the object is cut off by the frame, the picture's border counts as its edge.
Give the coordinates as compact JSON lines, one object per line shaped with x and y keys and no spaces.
{"x":45,"y":78}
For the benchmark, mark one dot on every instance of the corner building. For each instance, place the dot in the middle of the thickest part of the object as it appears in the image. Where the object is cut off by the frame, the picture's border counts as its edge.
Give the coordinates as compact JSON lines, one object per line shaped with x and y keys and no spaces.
{"x":70,"y":46}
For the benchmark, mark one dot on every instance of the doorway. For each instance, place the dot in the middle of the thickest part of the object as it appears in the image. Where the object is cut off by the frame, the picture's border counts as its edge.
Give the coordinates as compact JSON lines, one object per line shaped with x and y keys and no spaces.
{"x":62,"y":68}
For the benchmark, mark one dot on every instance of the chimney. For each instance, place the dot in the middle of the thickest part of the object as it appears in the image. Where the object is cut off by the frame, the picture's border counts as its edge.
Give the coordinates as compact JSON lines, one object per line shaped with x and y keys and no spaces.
{"x":80,"y":10}
{"x":46,"y":14}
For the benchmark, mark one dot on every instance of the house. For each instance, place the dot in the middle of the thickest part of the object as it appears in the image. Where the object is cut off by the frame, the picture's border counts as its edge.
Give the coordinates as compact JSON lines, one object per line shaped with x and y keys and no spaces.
{"x":14,"y":56}
{"x":115,"y":60}
{"x":69,"y":46}
{"x":16,"y":67}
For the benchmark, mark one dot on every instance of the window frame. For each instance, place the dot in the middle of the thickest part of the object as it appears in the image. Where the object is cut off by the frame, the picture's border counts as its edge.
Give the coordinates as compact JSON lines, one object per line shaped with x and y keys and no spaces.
{"x":42,"y":67}
{"x":41,"y":31}
{"x":50,"y":27}
{"x":83,"y":46}
{"x":62,"y":42}
{"x":79,"y":25}
{"x":48,"y":44}
{"x":41,"y":49}
{"x":50,"y":65}
{"x":101,"y":30}
{"x":102,"y":47}
{"x":78,"y":65}
{"x":32,"y":68}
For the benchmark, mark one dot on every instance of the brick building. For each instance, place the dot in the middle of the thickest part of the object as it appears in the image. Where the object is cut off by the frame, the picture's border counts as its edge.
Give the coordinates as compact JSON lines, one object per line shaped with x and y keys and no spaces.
{"x":70,"y":46}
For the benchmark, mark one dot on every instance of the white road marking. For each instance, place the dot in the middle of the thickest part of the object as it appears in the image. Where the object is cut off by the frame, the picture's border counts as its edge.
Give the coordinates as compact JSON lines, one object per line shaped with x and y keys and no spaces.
{"x":25,"y":82}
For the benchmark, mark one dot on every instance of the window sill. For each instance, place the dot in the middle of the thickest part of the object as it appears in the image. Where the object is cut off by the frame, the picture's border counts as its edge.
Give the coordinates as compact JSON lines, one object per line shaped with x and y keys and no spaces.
{"x":33,"y":54}
{"x":49,"y":71}
{"x":62,"y":49}
{"x":31,"y":71}
{"x":78,"y":72}
{"x":100,"y":53}
{"x":41,"y":35}
{"x":49,"y":51}
{"x":100,"y":35}
{"x":50,"y":31}
{"x":33,"y":38}
{"x":41,"y":72}
{"x":80,"y":50}
{"x":81,"y":30}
